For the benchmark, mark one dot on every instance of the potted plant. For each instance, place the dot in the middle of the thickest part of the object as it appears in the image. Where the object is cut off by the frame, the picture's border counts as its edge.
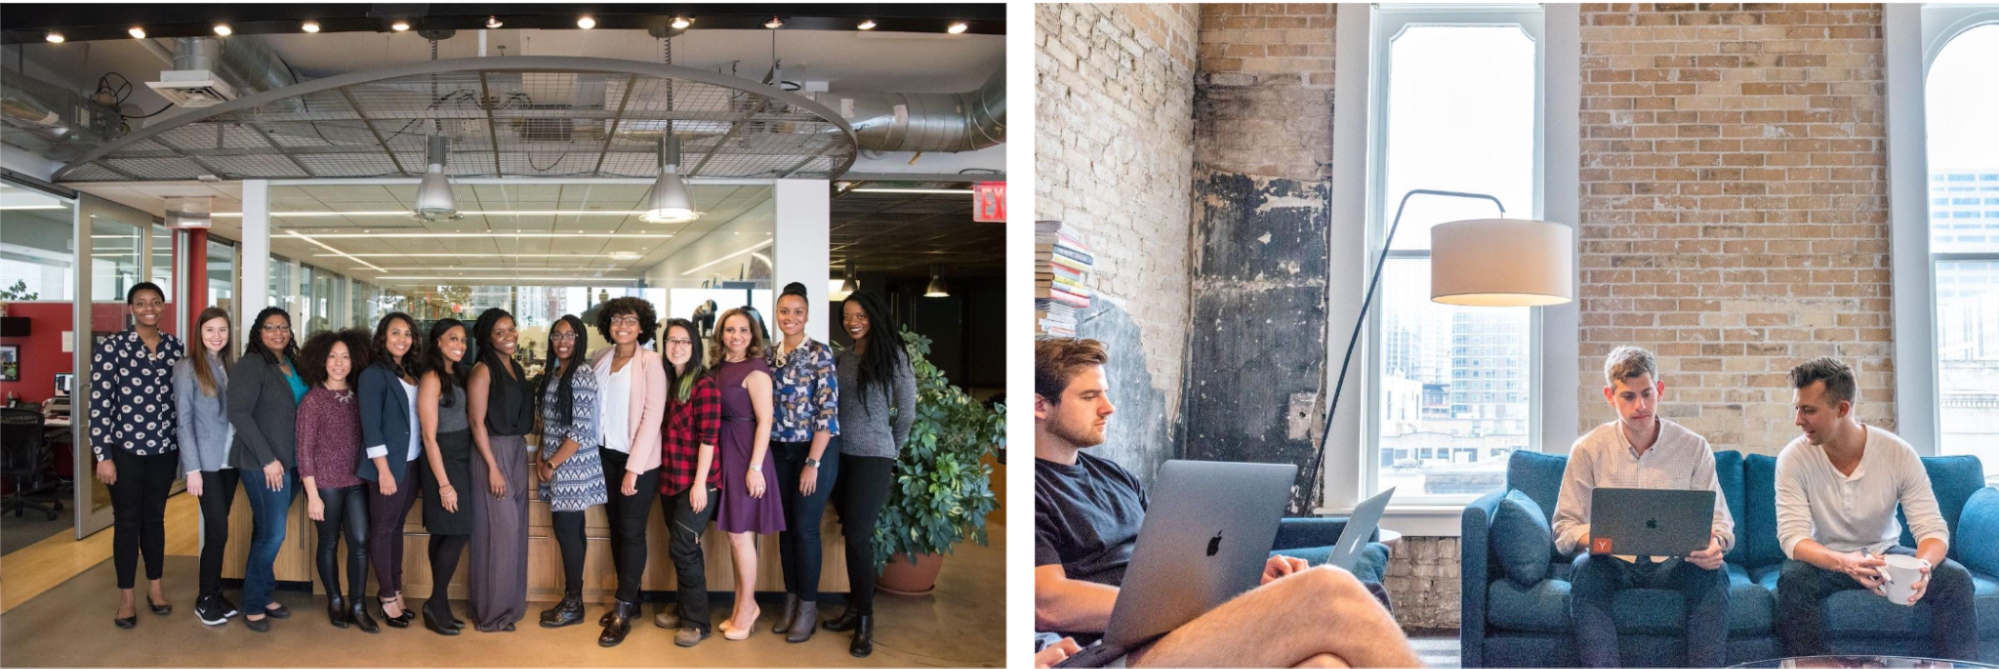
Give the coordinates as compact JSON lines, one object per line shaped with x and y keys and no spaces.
{"x":941,"y":490}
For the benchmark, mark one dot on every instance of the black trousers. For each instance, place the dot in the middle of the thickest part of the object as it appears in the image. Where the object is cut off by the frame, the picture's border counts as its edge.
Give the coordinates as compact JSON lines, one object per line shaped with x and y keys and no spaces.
{"x":386,"y":514}
{"x":628,"y":515}
{"x":346,"y":513}
{"x":139,"y":512}
{"x":1802,"y":589}
{"x":798,"y":546}
{"x":569,"y":537}
{"x":864,"y":483}
{"x":444,"y":550}
{"x":690,"y":572}
{"x":218,"y":493}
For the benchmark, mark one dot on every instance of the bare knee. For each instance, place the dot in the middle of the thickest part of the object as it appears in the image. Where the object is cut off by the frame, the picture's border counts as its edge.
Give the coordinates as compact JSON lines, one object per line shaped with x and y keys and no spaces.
{"x":1324,"y":660}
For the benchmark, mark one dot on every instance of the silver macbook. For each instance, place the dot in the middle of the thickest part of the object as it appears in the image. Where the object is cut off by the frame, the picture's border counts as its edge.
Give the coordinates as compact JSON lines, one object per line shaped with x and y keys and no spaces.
{"x":1360,"y":526}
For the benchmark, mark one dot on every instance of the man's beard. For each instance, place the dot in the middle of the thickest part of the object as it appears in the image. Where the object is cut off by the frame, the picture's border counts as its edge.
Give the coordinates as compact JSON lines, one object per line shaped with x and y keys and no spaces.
{"x":1084,"y":438}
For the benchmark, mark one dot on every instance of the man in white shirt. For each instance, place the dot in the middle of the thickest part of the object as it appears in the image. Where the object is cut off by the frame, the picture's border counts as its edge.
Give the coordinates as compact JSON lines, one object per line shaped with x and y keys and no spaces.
{"x":1641,"y":450}
{"x":1837,"y":488}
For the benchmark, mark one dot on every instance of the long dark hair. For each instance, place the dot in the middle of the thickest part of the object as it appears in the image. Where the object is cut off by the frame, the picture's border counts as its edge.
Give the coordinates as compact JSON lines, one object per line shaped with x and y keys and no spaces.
{"x":680,"y":385}
{"x":885,"y":348}
{"x":254,"y":344}
{"x":199,"y":354}
{"x":379,"y":348}
{"x":482,"y":333}
{"x":434,"y":360}
{"x":565,"y":387}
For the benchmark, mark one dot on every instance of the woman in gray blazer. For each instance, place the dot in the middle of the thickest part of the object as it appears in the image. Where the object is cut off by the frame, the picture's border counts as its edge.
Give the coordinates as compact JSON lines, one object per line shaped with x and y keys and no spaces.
{"x":390,"y":435}
{"x":264,"y":391}
{"x":200,"y":382}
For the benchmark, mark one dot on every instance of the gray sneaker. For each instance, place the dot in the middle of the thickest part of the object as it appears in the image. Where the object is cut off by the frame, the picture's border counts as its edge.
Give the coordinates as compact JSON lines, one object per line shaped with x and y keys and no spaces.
{"x":688,"y":636}
{"x":666,"y":620}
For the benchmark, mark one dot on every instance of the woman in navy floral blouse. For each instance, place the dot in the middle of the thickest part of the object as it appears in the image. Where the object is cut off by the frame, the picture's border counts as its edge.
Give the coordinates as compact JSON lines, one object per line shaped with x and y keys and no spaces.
{"x":804,"y":425}
{"x":132,"y":432}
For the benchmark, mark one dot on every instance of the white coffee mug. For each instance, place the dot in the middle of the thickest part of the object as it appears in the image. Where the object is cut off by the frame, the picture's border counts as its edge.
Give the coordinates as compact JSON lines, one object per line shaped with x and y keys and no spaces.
{"x":1900,"y":575}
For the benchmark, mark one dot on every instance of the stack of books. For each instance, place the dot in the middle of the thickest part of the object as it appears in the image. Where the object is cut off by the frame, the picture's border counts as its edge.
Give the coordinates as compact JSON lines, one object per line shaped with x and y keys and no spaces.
{"x":1061,"y":279}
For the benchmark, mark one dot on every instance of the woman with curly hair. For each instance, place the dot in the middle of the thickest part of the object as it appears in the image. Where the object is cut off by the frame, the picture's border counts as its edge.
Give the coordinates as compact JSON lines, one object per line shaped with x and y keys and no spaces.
{"x":329,"y":452}
{"x":632,"y":383}
{"x":569,"y":467}
{"x":500,"y":408}
{"x":394,"y":441}
{"x":747,"y":509}
{"x":877,"y":407}
{"x":447,"y":439}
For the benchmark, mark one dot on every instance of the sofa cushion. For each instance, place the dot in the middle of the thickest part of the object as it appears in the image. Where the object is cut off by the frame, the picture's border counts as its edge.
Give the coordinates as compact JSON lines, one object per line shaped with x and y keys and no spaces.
{"x":1728,"y":471}
{"x":1756,"y":531}
{"x":1544,"y":607}
{"x":1977,"y":533}
{"x":1954,"y":478}
{"x":1752,"y":608}
{"x":1539,"y":475}
{"x":1521,"y":540}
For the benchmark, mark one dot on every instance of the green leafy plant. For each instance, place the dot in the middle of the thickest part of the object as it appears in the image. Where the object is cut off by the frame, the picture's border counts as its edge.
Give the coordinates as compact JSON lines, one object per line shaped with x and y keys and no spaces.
{"x":942,"y":489}
{"x":18,"y":293}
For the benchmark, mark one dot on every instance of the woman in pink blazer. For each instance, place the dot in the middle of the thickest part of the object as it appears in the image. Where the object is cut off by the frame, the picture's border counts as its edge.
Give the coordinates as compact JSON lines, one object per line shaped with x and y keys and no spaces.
{"x":631,"y":382}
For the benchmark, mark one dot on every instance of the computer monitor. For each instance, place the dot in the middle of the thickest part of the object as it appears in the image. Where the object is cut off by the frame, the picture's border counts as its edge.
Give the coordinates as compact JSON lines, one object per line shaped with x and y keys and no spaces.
{"x":65,"y":384}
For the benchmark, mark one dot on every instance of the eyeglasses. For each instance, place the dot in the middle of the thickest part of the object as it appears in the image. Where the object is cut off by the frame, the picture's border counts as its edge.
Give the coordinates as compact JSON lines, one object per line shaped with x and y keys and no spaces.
{"x":566,"y":336}
{"x":679,"y":342}
{"x":277,"y":328}
{"x":625,"y":320}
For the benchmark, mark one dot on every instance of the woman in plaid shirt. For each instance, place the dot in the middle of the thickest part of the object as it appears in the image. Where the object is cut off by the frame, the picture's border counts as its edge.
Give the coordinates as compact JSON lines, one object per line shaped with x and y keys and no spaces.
{"x":693,"y":417}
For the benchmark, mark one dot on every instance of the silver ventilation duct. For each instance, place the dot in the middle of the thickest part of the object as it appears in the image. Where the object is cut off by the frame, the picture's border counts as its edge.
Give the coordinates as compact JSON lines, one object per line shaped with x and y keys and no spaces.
{"x":244,"y":63}
{"x":927,"y":121}
{"x":56,"y":123}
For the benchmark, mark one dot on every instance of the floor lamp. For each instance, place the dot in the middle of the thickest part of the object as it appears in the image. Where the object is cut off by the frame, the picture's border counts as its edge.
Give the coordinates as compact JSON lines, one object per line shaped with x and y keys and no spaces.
{"x":1490,"y":262}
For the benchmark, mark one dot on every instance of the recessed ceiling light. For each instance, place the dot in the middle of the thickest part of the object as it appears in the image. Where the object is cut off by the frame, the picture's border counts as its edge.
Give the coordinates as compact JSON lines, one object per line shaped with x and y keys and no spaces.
{"x":310,"y":26}
{"x":586,"y":23}
{"x":137,"y":32}
{"x":223,"y":30}
{"x":774,"y":23}
{"x":866,"y":24}
{"x":400,"y":26}
{"x":493,"y":22}
{"x":55,"y":37}
{"x":957,"y":28}
{"x":682,"y":22}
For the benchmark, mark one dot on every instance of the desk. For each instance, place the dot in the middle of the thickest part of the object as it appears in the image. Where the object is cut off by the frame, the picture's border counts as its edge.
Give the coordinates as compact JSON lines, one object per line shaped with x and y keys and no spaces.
{"x":295,"y":558}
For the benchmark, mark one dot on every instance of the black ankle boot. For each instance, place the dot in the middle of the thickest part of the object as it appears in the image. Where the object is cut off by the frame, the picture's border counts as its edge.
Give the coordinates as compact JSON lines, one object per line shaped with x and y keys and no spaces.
{"x":565,"y":613}
{"x":620,"y":624}
{"x":864,"y":636}
{"x":846,"y":621}
{"x":336,"y":611}
{"x":358,"y":612}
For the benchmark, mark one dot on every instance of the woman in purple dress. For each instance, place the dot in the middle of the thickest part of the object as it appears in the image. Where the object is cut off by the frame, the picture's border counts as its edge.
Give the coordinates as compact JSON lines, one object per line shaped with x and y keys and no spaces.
{"x":749,"y":504}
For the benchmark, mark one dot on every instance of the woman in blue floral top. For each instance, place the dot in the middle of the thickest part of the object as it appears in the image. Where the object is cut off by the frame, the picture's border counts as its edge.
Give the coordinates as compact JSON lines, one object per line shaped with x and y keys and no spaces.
{"x":132,"y":430}
{"x":805,"y":422}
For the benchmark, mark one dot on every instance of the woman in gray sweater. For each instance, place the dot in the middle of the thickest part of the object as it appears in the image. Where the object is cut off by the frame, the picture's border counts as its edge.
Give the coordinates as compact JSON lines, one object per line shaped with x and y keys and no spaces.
{"x":875,"y":376}
{"x":200,"y":382}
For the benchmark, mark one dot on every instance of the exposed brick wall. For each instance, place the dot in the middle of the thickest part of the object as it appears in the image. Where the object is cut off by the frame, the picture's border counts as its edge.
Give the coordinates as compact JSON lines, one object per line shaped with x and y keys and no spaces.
{"x":1264,"y":94}
{"x":1734,"y":207}
{"x":1423,"y":582}
{"x":1114,"y":159}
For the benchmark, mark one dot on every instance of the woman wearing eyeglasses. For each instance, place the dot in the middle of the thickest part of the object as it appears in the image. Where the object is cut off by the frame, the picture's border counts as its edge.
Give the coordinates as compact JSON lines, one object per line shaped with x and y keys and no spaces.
{"x":264,"y":392}
{"x":632,"y":383}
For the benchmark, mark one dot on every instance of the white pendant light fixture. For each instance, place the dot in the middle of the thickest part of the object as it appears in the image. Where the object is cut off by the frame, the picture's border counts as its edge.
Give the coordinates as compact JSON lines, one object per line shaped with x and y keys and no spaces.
{"x":669,"y":201}
{"x":434,"y":200}
{"x":936,"y":288}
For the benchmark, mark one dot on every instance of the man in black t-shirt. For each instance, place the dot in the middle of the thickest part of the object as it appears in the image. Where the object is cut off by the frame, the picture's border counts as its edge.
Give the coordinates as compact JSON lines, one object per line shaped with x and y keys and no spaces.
{"x":1088,"y":511}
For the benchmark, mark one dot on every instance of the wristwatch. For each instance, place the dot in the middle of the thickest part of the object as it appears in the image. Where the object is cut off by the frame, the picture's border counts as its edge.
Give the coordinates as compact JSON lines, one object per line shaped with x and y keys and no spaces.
{"x":756,"y":468}
{"x":812,"y":462}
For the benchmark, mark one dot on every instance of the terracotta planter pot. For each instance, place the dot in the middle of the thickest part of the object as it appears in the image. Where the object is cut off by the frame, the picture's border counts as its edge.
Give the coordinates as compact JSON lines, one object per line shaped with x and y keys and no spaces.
{"x":901,"y":578}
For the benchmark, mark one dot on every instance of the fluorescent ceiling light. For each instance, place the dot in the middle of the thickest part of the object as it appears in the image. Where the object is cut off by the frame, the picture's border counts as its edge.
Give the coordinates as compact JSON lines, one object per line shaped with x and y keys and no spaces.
{"x":461,"y":235}
{"x":508,"y":278}
{"x":578,"y":256}
{"x":335,"y":251}
{"x":915,"y":191}
{"x":718,"y":261}
{"x":405,"y":213}
{"x":31,"y":207}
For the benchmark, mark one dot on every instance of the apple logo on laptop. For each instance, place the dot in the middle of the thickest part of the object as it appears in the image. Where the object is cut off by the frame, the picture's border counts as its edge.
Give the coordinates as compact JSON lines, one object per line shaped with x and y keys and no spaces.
{"x":1652,"y":524}
{"x":1215,"y":544}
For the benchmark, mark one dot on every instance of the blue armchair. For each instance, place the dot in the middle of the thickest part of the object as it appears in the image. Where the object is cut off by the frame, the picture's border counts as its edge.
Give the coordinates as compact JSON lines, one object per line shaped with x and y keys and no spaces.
{"x":1507,"y":624}
{"x":1312,"y":539}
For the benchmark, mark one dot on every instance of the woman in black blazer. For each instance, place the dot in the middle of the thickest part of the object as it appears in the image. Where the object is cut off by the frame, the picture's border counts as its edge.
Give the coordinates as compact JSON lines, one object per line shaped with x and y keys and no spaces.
{"x":264,"y":391}
{"x":388,"y":431}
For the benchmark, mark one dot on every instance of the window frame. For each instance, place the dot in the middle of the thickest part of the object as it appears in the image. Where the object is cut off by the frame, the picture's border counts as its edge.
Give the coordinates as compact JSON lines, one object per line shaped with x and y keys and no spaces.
{"x":1388,"y":23}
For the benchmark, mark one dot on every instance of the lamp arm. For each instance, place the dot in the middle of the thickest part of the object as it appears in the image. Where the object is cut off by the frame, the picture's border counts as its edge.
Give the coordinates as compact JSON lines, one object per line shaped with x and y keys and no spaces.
{"x":1302,"y":504}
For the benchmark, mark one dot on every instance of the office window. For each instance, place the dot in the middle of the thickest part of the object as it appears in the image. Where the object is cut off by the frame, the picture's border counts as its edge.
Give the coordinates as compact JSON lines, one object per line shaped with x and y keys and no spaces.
{"x":1962,"y":98}
{"x":1428,"y":61}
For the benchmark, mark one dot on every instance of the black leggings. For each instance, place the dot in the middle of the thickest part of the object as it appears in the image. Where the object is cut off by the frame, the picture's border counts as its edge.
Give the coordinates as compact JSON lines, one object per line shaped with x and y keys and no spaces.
{"x":569,"y":537}
{"x":864,"y":482}
{"x":445,"y":549}
{"x":346,"y":511}
{"x":139,"y":511}
{"x":218,"y":492}
{"x":628,"y":516}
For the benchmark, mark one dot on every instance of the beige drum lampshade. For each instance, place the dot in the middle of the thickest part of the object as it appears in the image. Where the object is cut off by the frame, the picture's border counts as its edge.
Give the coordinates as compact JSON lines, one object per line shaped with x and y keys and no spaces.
{"x":1502,"y":262}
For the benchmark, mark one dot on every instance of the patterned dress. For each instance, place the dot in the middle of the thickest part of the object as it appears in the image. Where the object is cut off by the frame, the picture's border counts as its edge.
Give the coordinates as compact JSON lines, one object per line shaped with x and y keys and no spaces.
{"x":134,"y":407}
{"x":579,"y":481}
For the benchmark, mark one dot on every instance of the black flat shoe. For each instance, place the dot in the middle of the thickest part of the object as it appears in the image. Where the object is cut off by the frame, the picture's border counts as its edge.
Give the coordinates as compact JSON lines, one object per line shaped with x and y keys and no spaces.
{"x":257,"y":625}
{"x":430,"y":623}
{"x":844,"y":623}
{"x":159,"y":609}
{"x":127,"y":622}
{"x":280,"y":612}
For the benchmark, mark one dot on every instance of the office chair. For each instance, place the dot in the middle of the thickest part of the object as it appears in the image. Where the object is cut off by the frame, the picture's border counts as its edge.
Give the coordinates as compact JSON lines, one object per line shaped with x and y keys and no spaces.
{"x":24,"y":461}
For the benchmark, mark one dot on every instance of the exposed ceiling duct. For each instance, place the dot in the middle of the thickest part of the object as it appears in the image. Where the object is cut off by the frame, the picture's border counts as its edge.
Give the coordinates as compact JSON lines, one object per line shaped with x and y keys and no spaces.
{"x":927,"y":121}
{"x":53,"y":121}
{"x":242,"y":66}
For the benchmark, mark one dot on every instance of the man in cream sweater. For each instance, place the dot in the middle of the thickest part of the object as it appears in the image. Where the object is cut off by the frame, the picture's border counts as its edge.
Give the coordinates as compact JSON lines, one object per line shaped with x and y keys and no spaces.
{"x":1837,"y":489}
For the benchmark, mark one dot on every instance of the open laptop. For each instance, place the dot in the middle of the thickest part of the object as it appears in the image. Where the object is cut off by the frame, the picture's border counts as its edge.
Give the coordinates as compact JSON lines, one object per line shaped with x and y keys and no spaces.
{"x":1360,"y":526}
{"x":1206,"y":535}
{"x":1640,"y":521}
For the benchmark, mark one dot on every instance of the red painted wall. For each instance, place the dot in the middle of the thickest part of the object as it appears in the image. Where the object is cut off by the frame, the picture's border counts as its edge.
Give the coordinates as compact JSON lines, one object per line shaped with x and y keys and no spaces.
{"x":41,"y":351}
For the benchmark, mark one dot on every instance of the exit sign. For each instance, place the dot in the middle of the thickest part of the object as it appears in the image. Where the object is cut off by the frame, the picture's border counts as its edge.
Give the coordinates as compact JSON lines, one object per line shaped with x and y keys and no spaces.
{"x":989,"y":202}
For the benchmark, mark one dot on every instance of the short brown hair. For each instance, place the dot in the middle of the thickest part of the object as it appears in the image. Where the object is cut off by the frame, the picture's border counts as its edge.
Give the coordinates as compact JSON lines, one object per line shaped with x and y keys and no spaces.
{"x":1057,"y":361}
{"x":1838,"y":378}
{"x":1629,"y":362}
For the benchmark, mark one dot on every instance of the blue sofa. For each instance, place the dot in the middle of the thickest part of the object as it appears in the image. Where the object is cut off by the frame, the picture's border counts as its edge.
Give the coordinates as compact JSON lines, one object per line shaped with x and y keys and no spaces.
{"x":1507,"y":624}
